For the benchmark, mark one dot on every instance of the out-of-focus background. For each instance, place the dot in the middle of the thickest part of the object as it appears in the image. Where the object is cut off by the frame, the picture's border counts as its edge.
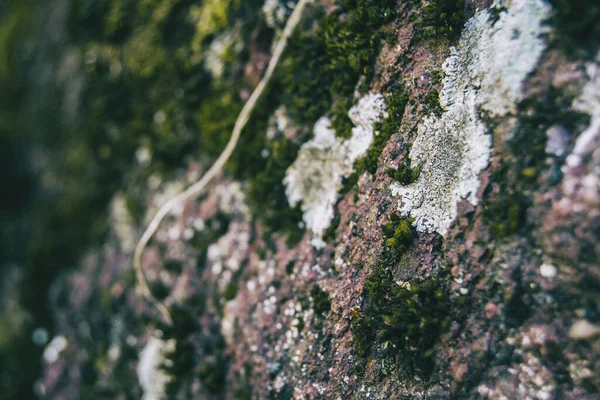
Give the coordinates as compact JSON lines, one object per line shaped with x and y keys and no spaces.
{"x":89,"y":89}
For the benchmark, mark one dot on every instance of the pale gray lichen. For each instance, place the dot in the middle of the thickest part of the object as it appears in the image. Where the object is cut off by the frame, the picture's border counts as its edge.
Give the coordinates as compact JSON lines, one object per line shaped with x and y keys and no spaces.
{"x":151,"y":376}
{"x":316,"y":176}
{"x":587,"y":102}
{"x":485,"y":71}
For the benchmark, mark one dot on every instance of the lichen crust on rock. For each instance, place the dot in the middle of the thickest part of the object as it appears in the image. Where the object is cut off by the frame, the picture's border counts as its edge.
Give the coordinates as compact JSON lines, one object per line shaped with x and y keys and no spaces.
{"x":316,"y":176}
{"x":484,"y":73}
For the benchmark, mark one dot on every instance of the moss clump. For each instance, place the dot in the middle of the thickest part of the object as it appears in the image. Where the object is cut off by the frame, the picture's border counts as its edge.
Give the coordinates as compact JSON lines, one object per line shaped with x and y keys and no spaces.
{"x":525,"y":159}
{"x":399,"y":233}
{"x":326,"y":63}
{"x":577,"y":24}
{"x":321,"y":302}
{"x":289,"y":268}
{"x":199,"y":351}
{"x":267,"y":193}
{"x":410,"y":317}
{"x":340,"y":121}
{"x":330,"y":231}
{"x":231,"y":290}
{"x":404,"y":174}
{"x":442,"y":19}
{"x":431,"y":103}
{"x":396,"y":100}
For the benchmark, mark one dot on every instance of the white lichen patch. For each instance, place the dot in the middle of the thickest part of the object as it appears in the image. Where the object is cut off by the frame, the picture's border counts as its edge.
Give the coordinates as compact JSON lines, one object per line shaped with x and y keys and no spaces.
{"x":316,"y":176}
{"x":587,"y":102}
{"x":485,"y":71}
{"x":151,"y":376}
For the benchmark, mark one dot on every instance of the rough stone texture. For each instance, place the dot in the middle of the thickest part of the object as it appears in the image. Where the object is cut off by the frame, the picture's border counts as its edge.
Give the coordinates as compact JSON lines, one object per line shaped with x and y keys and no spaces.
{"x":256,"y":318}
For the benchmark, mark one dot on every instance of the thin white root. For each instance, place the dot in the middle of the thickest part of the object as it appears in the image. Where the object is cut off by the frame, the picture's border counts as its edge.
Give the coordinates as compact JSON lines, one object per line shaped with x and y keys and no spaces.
{"x":197,"y":187}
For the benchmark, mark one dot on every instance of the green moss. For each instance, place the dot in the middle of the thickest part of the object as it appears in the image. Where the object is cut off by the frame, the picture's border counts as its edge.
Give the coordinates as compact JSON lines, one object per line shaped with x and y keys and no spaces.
{"x":321,"y":302}
{"x":215,"y":227}
{"x":199,"y":351}
{"x":267,"y":192}
{"x":431,"y":102}
{"x":232,"y":288}
{"x":410,"y":317}
{"x":577,"y":24}
{"x":326,"y":63}
{"x":399,"y":233}
{"x":442,"y":19}
{"x":506,"y":215}
{"x":330,"y":231}
{"x":404,"y":174}
{"x":505,"y":209}
{"x":340,"y":121}
{"x":396,"y":100}
{"x":289,"y":268}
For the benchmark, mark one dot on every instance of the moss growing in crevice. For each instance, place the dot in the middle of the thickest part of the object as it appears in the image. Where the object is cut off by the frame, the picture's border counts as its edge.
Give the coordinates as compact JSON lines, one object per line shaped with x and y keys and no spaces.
{"x":329,"y":235}
{"x":399,"y":233}
{"x":320,"y":299}
{"x":404,"y":322}
{"x":404,"y":174}
{"x":431,"y":103}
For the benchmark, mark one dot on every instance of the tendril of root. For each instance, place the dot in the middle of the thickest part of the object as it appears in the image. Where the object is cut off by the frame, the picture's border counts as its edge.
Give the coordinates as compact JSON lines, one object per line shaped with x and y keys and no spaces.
{"x":197,"y":187}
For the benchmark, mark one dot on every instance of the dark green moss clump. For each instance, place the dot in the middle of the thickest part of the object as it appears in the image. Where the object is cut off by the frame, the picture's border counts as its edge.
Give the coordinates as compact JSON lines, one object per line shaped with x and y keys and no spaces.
{"x":399,"y":233}
{"x":431,"y":102}
{"x":442,"y":19}
{"x":411,"y":317}
{"x":404,"y":174}
{"x":577,"y":24}
{"x":506,"y":215}
{"x":321,"y":302}
{"x":199,"y":351}
{"x":525,"y":158}
{"x":330,"y":231}
{"x":325,"y":64}
{"x":215,"y":227}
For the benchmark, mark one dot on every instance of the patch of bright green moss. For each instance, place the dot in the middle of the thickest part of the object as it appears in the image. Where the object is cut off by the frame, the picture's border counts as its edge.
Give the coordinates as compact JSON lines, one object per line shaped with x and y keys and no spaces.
{"x":399,"y":233}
